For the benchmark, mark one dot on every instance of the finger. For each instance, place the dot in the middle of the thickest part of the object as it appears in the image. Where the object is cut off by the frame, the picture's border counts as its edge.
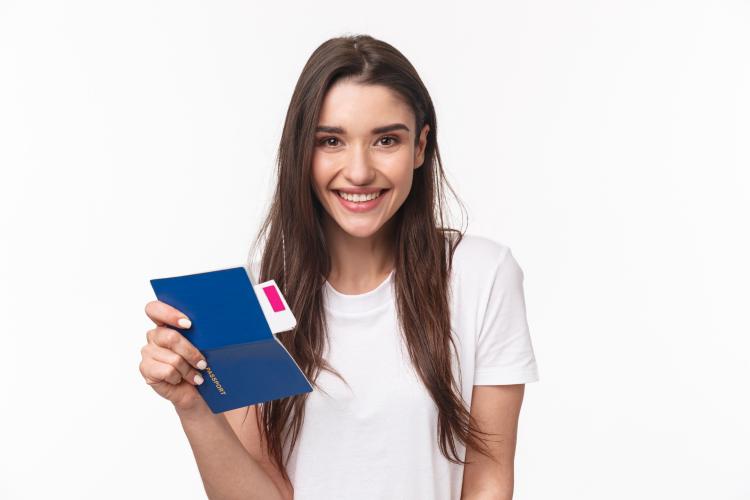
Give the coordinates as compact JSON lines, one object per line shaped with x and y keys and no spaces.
{"x":175,"y":341}
{"x":165,"y":355}
{"x":162,"y":314}
{"x":155,"y":371}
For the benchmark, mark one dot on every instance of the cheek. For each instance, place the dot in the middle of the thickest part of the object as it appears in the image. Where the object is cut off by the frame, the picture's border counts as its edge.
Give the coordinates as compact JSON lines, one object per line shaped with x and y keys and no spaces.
{"x":402,"y":175}
{"x":321,"y":175}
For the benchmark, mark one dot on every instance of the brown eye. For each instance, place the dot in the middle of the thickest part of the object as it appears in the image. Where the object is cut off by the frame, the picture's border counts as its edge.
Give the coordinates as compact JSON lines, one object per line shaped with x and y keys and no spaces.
{"x":392,"y":138}
{"x":326,"y":141}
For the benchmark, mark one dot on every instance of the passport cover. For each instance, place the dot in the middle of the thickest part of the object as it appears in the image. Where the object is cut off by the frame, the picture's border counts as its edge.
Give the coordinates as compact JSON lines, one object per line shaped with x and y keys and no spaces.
{"x":231,"y":321}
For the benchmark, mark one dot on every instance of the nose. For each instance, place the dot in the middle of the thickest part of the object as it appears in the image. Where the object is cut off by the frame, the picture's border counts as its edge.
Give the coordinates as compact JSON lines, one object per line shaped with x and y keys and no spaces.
{"x":359,"y":169}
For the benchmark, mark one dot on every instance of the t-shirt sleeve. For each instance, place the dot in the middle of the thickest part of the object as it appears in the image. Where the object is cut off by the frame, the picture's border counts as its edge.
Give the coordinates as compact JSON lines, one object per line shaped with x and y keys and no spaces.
{"x":504,"y":353}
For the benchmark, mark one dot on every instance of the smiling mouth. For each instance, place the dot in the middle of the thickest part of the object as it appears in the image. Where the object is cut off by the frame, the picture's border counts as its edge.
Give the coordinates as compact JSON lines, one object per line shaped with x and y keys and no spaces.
{"x":360,"y":198}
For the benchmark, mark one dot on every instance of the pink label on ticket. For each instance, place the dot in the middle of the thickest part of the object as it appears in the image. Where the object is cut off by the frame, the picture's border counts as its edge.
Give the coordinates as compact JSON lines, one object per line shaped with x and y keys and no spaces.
{"x":273,"y":297}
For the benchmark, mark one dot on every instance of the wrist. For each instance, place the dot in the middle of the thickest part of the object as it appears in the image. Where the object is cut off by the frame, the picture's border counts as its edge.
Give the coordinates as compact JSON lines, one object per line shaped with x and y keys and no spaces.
{"x":198,"y":410}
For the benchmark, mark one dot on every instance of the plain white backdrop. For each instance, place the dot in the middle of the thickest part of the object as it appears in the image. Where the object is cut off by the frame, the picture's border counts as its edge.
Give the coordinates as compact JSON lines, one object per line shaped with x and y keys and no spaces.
{"x":607,"y":143}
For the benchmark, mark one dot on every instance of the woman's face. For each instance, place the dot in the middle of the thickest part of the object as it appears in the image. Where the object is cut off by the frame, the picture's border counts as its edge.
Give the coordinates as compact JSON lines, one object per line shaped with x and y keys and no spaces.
{"x":364,"y":148}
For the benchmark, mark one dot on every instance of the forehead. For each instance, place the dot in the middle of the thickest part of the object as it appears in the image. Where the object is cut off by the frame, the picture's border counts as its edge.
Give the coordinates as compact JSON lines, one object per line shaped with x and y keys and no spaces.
{"x":359,"y":108}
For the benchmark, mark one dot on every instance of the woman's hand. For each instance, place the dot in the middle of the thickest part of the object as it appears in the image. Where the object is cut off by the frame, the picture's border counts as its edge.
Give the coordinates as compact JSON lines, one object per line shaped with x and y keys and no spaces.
{"x":170,"y":362}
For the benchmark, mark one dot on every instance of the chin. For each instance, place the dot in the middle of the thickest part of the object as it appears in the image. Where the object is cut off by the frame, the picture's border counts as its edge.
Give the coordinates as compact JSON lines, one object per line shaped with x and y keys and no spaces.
{"x":365,"y":231}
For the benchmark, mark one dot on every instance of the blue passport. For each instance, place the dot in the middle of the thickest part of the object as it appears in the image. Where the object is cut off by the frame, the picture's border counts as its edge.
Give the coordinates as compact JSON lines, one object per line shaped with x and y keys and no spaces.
{"x":234,"y":324}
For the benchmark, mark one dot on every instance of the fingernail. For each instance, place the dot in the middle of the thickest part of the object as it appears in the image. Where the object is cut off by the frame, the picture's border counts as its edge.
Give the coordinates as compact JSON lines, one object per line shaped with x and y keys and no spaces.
{"x":184,"y":322}
{"x":198,"y":379}
{"x":201,"y":364}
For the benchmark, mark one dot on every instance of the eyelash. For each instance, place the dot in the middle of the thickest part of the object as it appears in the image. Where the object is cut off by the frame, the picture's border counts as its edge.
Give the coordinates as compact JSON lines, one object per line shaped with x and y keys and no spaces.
{"x":395,"y":140}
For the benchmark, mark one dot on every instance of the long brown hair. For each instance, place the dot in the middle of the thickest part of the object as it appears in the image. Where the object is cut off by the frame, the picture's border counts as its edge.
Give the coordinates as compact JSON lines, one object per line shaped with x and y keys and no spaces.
{"x":296,"y":256}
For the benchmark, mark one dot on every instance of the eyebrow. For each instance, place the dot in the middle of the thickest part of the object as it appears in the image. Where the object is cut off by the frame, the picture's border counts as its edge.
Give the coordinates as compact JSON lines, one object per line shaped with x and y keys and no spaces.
{"x":377,"y":130}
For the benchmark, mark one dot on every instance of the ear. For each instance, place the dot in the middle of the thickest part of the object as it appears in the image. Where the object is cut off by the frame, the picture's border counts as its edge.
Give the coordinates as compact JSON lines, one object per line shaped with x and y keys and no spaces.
{"x":419,"y":157}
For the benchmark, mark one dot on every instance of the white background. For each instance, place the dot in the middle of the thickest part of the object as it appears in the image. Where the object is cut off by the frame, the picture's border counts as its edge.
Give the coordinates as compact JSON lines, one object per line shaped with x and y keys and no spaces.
{"x":607,"y":143}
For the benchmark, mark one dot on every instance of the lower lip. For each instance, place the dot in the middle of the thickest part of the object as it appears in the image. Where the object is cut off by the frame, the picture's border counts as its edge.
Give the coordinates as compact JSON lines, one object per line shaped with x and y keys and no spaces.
{"x":362,"y":206}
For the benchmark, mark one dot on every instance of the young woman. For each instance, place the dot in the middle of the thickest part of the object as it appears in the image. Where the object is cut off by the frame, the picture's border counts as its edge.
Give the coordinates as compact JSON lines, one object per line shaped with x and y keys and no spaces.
{"x":415,"y":335}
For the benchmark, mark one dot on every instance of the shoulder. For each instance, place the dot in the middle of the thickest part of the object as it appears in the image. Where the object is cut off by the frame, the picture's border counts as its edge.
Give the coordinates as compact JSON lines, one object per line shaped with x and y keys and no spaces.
{"x":484,"y":266}
{"x":475,"y":252}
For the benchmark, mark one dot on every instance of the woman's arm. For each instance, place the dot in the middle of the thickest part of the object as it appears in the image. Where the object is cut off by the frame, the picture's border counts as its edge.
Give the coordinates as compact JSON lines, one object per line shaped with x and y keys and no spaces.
{"x":227,"y":469}
{"x":244,"y":422}
{"x":170,"y":364}
{"x":496,"y":409}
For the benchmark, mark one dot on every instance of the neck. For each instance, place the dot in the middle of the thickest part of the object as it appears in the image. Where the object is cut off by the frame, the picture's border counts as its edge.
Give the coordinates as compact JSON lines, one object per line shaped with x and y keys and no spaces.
{"x":358,"y":264}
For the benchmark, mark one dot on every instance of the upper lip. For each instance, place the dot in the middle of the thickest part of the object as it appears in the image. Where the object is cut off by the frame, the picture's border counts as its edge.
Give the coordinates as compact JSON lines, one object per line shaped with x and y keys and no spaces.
{"x":360,"y":190}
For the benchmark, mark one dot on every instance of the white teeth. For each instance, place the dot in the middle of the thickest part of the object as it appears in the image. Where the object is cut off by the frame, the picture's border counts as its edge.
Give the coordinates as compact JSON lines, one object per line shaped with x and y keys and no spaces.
{"x":359,"y":197}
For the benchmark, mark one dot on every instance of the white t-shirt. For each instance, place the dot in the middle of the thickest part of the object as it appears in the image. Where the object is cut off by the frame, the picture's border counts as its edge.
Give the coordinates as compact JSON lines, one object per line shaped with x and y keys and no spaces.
{"x":377,"y":438}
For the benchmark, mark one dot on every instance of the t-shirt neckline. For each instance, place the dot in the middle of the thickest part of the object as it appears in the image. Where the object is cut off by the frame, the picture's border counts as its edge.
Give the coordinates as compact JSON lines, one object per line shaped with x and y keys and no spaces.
{"x":359,"y":303}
